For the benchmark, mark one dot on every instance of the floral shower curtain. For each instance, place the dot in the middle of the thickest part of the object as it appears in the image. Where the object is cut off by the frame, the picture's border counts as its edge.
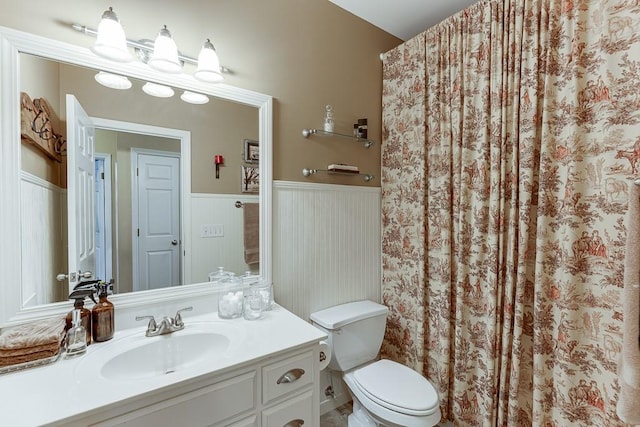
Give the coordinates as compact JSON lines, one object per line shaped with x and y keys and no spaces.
{"x":510,"y":137}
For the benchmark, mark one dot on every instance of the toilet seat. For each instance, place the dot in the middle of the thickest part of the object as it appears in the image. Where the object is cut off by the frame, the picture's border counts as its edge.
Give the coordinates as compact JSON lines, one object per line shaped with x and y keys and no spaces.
{"x":397,"y":387}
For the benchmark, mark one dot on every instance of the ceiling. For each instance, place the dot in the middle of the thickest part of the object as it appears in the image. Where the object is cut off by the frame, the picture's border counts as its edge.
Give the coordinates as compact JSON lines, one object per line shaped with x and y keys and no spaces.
{"x":403,"y":18}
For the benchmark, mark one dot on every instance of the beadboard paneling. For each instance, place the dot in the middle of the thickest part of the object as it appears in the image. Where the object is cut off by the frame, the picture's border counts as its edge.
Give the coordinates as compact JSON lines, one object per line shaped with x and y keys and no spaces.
{"x":209,"y":253}
{"x":326,"y":245}
{"x":43,"y":241}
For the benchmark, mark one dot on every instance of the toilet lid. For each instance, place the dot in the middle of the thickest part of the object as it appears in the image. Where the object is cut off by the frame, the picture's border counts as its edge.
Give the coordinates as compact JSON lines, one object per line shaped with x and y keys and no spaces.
{"x":397,"y":387}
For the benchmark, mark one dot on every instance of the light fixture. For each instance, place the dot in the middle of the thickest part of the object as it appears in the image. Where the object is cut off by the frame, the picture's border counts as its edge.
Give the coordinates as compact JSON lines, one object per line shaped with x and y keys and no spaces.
{"x":161,"y":54}
{"x":157,"y":90}
{"x":113,"y":81}
{"x":165,"y":53}
{"x":208,"y":64}
{"x":194,"y":98}
{"x":111,"y":43}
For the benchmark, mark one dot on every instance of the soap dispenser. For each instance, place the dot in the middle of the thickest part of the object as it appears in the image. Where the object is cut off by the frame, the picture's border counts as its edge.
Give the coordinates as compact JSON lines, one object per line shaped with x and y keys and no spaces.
{"x":103,"y":315}
{"x":79,"y":296}
{"x":328,"y":119}
{"x":76,"y":341}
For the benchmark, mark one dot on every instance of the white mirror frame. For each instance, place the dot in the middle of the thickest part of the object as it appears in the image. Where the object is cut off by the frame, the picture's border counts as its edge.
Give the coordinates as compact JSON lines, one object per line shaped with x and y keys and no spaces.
{"x":12,"y":43}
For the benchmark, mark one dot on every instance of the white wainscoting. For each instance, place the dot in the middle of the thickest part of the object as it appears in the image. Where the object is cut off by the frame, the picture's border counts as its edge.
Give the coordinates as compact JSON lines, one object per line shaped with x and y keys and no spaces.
{"x":209,"y":253}
{"x":326,"y":251}
{"x":43,"y":240}
{"x":326,"y":245}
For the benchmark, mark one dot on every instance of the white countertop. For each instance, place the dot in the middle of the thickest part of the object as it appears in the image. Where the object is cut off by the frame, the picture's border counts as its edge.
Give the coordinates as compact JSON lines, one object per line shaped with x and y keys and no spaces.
{"x":60,"y":392}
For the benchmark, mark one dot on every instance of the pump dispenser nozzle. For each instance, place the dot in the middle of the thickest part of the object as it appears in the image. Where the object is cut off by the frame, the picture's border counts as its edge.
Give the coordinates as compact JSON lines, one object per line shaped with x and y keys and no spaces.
{"x":86,"y":289}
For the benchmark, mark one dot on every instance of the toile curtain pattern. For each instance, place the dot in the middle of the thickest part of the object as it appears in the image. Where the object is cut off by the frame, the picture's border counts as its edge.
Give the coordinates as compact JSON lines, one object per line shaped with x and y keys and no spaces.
{"x":511,"y":132}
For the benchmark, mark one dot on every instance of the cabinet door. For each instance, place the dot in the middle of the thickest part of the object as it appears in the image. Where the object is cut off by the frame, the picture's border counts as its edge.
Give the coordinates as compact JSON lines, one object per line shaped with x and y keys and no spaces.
{"x":295,"y":412}
{"x":203,"y":407}
{"x":286,"y":376}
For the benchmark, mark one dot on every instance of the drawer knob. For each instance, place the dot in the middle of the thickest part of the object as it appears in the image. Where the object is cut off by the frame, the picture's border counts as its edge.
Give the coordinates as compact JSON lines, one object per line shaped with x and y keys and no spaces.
{"x":294,"y":423}
{"x":291,"y":376}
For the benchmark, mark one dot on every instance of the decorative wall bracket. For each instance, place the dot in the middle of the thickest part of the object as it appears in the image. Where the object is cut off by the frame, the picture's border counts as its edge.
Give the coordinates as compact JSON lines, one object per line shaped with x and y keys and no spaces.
{"x":37,"y":127}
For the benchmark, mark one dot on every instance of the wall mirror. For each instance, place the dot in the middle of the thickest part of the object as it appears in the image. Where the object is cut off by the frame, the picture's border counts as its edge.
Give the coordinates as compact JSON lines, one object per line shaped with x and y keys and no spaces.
{"x":19,"y":51}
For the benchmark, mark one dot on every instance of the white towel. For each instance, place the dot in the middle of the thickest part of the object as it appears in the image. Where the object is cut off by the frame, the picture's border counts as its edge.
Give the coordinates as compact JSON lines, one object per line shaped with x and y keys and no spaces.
{"x":628,"y":407}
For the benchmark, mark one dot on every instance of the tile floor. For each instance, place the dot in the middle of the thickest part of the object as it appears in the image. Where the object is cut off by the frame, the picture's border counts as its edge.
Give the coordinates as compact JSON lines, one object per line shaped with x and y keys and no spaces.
{"x":338,"y":417}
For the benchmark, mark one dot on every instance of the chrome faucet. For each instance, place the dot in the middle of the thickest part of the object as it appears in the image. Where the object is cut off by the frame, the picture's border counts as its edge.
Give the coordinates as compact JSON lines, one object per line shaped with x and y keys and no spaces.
{"x":167,"y":324}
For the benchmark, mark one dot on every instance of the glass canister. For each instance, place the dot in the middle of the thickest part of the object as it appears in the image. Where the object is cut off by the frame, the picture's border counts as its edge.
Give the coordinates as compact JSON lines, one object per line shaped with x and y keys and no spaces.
{"x":230,"y":298}
{"x":265,"y":290}
{"x":253,"y":304}
{"x":230,"y":304}
{"x":219,"y":274}
{"x":249,"y":277}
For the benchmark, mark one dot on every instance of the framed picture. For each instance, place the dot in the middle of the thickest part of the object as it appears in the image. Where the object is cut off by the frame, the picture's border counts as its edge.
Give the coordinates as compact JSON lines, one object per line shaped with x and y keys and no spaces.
{"x":251,"y":151}
{"x":250,"y":179}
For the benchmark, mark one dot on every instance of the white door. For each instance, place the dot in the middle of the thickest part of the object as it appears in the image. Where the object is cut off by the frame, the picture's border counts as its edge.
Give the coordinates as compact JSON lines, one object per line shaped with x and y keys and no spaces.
{"x":156,"y":261}
{"x":80,"y":193}
{"x":104,"y":250}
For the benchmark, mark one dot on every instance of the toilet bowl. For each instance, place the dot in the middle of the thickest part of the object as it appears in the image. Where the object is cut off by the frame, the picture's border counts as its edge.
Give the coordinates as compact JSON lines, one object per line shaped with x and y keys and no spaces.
{"x":393,"y":395}
{"x":385,"y":393}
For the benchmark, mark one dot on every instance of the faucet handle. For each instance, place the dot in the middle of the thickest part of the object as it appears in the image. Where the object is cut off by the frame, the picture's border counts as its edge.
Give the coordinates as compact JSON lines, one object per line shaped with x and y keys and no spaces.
{"x":152,"y":326}
{"x":177,"y":320}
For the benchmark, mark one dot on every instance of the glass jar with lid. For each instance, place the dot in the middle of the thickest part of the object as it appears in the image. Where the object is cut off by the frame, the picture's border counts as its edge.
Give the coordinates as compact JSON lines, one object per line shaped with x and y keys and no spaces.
{"x":219,"y":274}
{"x":230,"y":297}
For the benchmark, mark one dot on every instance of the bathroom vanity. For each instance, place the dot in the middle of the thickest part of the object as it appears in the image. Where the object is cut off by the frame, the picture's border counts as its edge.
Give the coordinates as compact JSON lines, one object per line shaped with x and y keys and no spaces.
{"x":214,"y":372}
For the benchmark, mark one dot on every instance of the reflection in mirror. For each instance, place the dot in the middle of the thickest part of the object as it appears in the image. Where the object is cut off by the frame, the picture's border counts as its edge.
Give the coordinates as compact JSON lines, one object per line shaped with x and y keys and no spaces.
{"x":134,"y":130}
{"x":18,"y":278}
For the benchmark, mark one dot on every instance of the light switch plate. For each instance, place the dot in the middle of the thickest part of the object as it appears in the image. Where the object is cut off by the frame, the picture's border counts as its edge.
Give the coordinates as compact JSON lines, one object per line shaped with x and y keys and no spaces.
{"x":211,"y":230}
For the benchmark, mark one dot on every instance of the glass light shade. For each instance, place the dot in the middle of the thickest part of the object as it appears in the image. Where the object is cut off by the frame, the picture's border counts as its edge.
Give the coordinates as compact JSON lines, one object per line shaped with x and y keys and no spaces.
{"x":111,"y":43}
{"x":113,"y":81}
{"x":165,"y":54}
{"x":157,"y":90}
{"x":194,"y":98}
{"x":208,"y":65}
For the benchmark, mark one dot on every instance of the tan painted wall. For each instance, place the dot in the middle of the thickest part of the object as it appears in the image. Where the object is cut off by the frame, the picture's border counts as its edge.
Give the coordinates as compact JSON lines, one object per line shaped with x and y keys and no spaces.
{"x":218,"y":127}
{"x":306,"y":54}
{"x":40,"y":79}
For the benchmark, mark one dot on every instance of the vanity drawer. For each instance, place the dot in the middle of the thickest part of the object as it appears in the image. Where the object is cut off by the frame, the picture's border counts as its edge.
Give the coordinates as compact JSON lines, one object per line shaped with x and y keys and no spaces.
{"x":294,"y":412}
{"x":251,"y":421}
{"x":287,"y":375}
{"x":203,"y":407}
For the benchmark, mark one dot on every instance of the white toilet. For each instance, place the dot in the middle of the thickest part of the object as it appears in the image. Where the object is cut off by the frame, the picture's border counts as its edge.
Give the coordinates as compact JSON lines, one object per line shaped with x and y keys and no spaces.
{"x":385,"y":393}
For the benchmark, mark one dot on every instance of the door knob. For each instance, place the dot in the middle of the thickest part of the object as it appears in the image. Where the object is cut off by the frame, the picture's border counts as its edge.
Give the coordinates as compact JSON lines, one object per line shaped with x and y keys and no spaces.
{"x":174,"y":242}
{"x":61,"y":277}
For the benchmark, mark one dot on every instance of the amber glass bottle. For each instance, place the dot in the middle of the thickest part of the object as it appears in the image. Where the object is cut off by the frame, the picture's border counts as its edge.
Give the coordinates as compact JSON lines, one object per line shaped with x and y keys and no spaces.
{"x":85,"y":317}
{"x":103,"y":316}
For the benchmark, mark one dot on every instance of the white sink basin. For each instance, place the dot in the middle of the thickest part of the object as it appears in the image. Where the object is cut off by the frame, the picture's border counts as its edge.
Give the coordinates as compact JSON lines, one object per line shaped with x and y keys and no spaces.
{"x":136,"y":356}
{"x":165,"y":354}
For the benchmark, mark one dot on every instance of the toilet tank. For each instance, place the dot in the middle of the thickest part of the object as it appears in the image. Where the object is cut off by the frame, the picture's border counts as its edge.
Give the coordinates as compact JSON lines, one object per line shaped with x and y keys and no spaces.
{"x":355,"y":331}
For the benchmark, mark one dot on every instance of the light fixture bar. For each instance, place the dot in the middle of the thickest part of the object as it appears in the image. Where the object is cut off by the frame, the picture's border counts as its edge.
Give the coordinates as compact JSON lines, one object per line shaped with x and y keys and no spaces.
{"x":137,"y":45}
